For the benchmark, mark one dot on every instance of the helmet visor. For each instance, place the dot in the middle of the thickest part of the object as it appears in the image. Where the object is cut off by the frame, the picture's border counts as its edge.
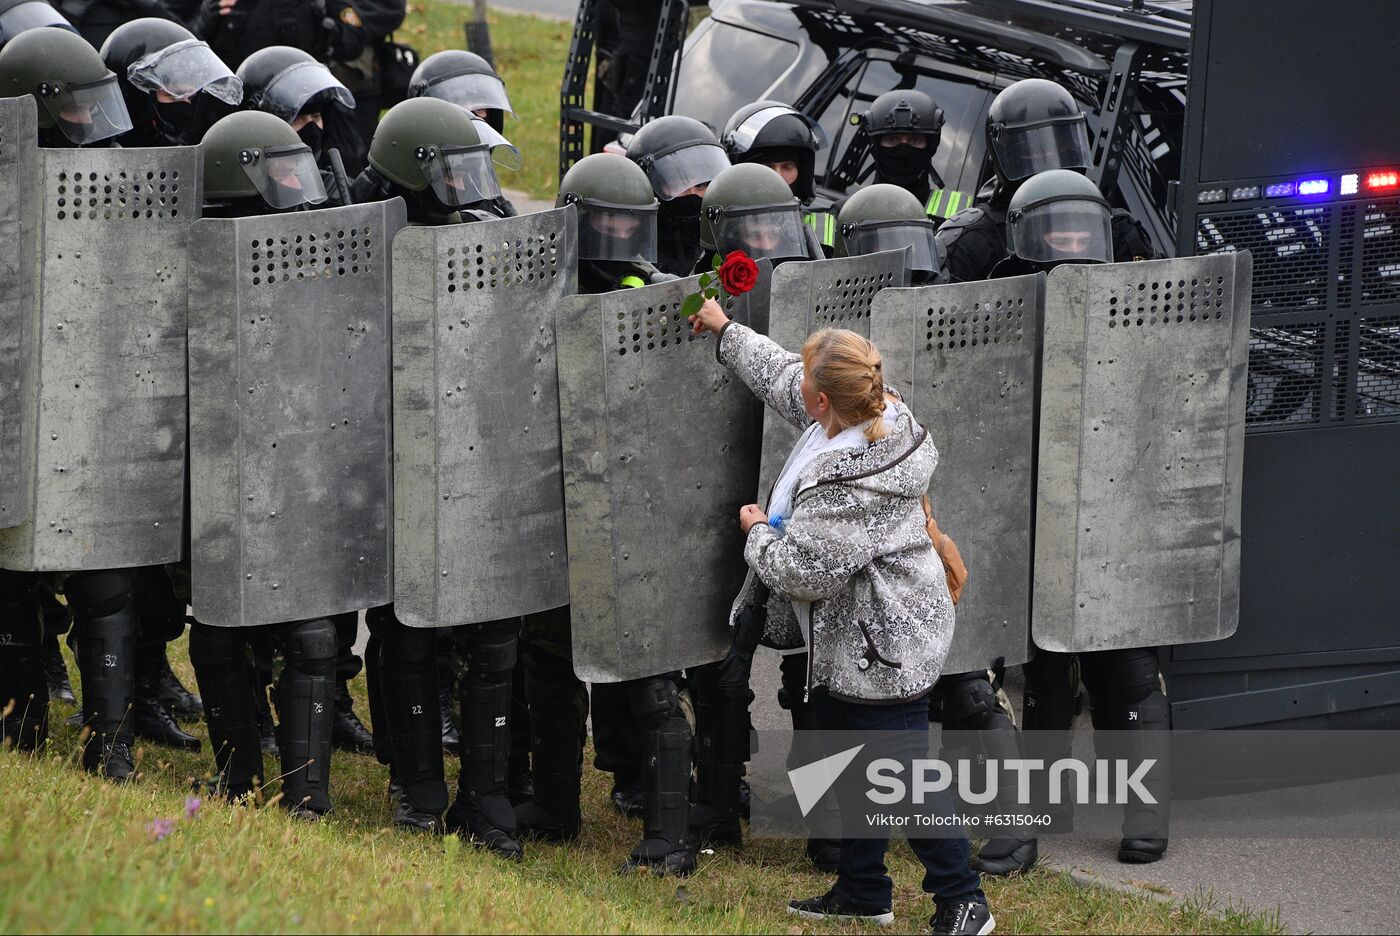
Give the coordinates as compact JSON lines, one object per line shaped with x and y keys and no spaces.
{"x":744,"y":135}
{"x":927,"y":255}
{"x":284,"y":176}
{"x":461,"y":175}
{"x":775,"y":233}
{"x":503,"y":151}
{"x":682,"y":169}
{"x":1071,"y":230}
{"x":293,"y":87}
{"x":1023,"y":151}
{"x":88,"y":113}
{"x":183,"y":70}
{"x":616,"y":232}
{"x":473,"y":92}
{"x":24,"y":16}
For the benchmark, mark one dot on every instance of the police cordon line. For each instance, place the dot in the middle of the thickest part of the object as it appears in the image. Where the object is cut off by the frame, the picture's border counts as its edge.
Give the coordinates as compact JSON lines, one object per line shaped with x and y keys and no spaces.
{"x":241,"y":380}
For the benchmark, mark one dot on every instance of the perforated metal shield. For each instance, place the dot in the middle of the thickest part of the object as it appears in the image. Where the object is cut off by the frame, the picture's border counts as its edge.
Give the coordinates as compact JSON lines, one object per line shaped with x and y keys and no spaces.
{"x":966,"y":359}
{"x":1141,"y":453}
{"x":479,"y":494}
{"x":19,"y":171}
{"x":290,"y":478}
{"x":808,"y":296}
{"x":660,"y":446}
{"x":108,"y":415}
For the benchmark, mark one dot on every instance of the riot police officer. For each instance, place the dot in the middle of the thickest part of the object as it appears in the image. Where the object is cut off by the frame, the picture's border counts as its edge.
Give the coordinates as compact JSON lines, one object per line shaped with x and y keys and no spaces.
{"x":48,"y":64}
{"x":1032,"y":125}
{"x":18,"y":15}
{"x":465,"y":79}
{"x":289,"y":84}
{"x":750,"y":207}
{"x":787,"y":141}
{"x":429,"y":152}
{"x":887,"y":217}
{"x":680,"y":156}
{"x":901,"y":131}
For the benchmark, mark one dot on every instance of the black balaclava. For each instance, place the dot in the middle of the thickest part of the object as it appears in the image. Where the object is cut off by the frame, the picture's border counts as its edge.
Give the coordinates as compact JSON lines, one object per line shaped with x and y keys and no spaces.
{"x":906,"y":166}
{"x":314,"y":137}
{"x":682,"y":215}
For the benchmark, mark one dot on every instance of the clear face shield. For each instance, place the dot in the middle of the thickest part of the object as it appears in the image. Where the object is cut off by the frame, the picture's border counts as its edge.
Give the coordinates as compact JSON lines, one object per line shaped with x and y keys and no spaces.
{"x":877,"y":236}
{"x":741,"y":140}
{"x":679,"y":170}
{"x":1059,"y":144}
{"x":24,"y":16}
{"x":773,"y":232}
{"x":1067,"y":230}
{"x":503,"y":151}
{"x":473,"y":92}
{"x":86,"y":113}
{"x":285,"y":176}
{"x":290,"y":90}
{"x":459,"y":175}
{"x":184,"y":69}
{"x":616,"y":232}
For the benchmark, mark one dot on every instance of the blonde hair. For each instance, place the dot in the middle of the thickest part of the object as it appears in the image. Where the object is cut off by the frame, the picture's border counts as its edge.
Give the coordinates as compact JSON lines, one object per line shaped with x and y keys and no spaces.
{"x":848,"y":369}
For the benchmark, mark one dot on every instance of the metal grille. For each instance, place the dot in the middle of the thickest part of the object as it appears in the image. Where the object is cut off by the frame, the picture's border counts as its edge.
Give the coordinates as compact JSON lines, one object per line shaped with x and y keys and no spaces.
{"x":1378,"y":368}
{"x":511,"y":263}
{"x":118,"y":195}
{"x":656,"y":327}
{"x":949,"y":329}
{"x":1285,"y":375}
{"x":309,"y":255}
{"x":843,"y":302}
{"x":1380,"y":253}
{"x":1290,"y":248}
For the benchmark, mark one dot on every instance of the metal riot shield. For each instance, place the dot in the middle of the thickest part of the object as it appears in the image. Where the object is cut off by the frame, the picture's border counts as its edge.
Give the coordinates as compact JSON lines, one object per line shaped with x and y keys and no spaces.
{"x":19,"y":168}
{"x":808,"y":296}
{"x":108,"y":411}
{"x":478,"y":487}
{"x":966,"y":359}
{"x":290,"y":484}
{"x":1141,"y":453}
{"x":660,"y":448}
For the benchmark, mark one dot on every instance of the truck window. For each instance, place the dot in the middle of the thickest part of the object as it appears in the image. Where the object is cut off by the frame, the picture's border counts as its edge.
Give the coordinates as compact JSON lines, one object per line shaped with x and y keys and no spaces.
{"x":726,"y":67}
{"x":962,"y":102}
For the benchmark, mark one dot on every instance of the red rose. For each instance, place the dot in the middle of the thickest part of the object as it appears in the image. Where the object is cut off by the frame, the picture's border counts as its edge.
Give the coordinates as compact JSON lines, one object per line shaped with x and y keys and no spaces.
{"x":738,"y":274}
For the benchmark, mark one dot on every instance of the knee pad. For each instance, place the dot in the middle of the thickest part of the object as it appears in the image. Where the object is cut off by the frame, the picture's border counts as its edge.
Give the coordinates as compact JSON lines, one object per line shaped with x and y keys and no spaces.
{"x":1048,"y":670}
{"x":216,"y":647}
{"x":162,"y":614}
{"x":310,"y":645}
{"x":654,"y":701}
{"x":98,"y":594}
{"x":407,"y":648}
{"x":969,"y":700}
{"x":488,"y":651}
{"x":1122,"y":677}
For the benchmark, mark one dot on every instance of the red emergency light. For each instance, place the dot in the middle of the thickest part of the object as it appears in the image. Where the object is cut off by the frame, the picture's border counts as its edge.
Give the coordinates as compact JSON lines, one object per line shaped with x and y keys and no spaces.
{"x":1387,"y":179}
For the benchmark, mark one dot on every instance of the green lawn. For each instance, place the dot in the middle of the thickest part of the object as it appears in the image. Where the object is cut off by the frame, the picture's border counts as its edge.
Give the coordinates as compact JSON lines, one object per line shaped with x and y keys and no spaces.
{"x":78,"y":857}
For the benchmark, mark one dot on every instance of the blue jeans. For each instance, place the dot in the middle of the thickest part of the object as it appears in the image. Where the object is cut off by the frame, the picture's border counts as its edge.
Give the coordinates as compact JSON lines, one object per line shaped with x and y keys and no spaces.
{"x":863,"y":879}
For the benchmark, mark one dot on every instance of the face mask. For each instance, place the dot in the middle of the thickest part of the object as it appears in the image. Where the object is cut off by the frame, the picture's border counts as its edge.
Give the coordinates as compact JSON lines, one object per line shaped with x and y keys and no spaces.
{"x":311,"y":135}
{"x":174,"y":119}
{"x":683,"y":215}
{"x":902,"y":164}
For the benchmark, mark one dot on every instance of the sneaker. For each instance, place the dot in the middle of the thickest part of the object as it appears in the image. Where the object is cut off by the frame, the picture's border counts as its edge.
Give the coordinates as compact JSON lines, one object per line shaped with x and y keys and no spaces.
{"x":830,"y":907}
{"x":964,"y":916}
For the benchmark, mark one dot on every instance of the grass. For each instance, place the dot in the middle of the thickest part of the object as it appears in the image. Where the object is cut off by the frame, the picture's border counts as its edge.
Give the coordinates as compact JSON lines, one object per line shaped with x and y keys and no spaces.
{"x":80,"y":858}
{"x":529,"y":54}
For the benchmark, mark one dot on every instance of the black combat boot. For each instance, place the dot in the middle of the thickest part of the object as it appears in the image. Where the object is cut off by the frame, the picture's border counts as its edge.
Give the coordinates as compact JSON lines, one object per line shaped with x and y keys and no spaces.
{"x":666,"y":846}
{"x":24,"y":695}
{"x":305,"y":704}
{"x":558,"y":709}
{"x":482,"y":809}
{"x":407,"y":678}
{"x":184,"y":705}
{"x":106,"y":626}
{"x":349,"y":734}
{"x":149,"y":717}
{"x":226,"y":682}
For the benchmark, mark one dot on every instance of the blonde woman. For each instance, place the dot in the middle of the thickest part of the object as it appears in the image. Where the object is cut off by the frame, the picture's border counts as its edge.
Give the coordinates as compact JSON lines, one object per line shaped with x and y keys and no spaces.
{"x":852,"y":575}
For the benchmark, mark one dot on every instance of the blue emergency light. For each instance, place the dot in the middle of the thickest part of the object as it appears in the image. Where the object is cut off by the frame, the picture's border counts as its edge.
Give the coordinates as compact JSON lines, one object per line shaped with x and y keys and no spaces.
{"x":1314,"y":186}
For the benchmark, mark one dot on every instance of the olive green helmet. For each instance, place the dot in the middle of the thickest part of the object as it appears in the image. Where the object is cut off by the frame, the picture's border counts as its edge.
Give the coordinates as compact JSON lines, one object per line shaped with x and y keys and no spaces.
{"x":75,"y":90}
{"x":1059,"y":216}
{"x":616,"y":208}
{"x":887,"y":217}
{"x":250,"y":154}
{"x":427,"y":142}
{"x":749,"y":207}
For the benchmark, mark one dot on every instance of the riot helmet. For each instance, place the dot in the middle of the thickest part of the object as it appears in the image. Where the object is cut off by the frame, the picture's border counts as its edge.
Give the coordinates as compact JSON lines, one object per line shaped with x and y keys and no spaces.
{"x":426,"y":144}
{"x":161,"y":67}
{"x":1059,"y":216}
{"x":887,"y":217}
{"x":465,"y":79}
{"x":905,"y":127}
{"x":749,"y":207}
{"x":249,"y":155}
{"x":1035,"y":125}
{"x":677,"y":154}
{"x":770,"y":132}
{"x":289,"y":83}
{"x":16,"y":16}
{"x":616,"y":208}
{"x":77,"y":94}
